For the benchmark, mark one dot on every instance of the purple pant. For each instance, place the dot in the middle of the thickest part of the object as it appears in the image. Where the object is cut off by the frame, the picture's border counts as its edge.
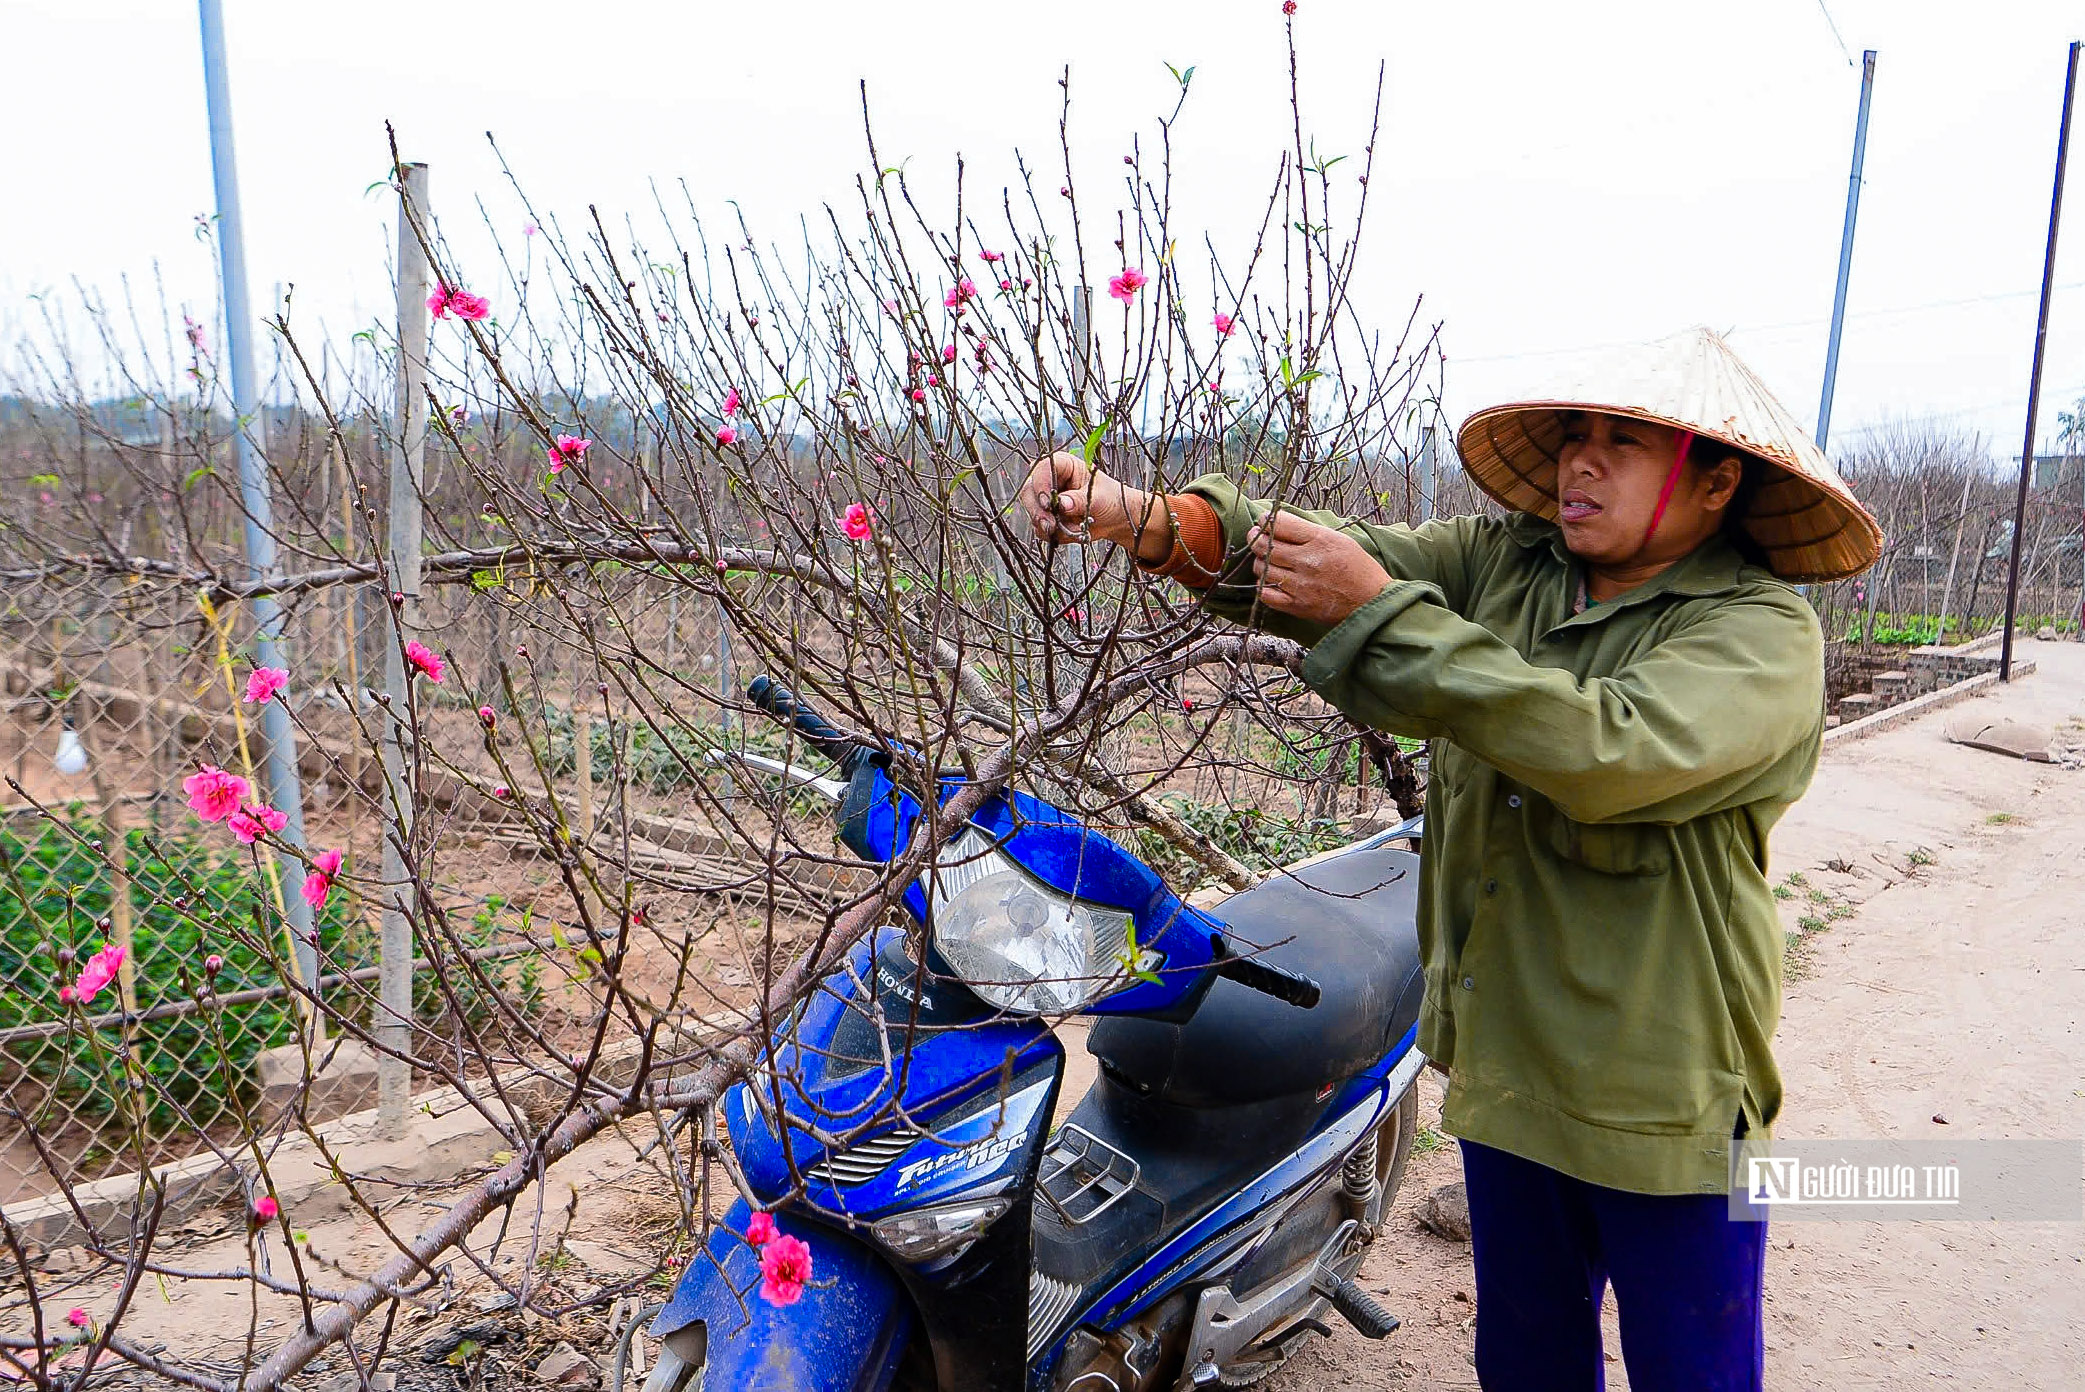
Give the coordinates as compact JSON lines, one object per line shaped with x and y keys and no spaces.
{"x":1686,"y":1281}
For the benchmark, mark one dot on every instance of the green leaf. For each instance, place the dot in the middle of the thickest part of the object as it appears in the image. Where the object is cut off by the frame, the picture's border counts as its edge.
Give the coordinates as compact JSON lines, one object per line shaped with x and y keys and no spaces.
{"x":1131,"y":955}
{"x":482,"y":580}
{"x":1091,"y":449}
{"x":197,"y":475}
{"x":45,"y":480}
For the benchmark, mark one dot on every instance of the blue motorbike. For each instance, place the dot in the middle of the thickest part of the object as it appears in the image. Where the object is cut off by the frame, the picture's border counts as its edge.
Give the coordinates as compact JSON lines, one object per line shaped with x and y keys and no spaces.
{"x":1197,"y":1214}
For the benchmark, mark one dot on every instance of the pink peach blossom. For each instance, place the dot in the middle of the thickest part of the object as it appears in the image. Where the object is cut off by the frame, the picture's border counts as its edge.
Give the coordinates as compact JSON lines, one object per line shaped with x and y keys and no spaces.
{"x":727,"y":435}
{"x":501,"y":790}
{"x":100,"y":970}
{"x":426,"y":659}
{"x":78,"y":1317}
{"x":960,"y":294}
{"x":785,"y":1268}
{"x":319,"y":883}
{"x":1125,"y":286}
{"x":214,"y":794}
{"x":265,"y":1208}
{"x":449,"y":299}
{"x":992,"y":255}
{"x":761,"y":1230}
{"x":948,"y":354}
{"x":488,"y":715}
{"x":264,"y":682}
{"x":855,"y":522}
{"x":919,"y":394}
{"x":569,"y":449}
{"x":1225,"y":325}
{"x":731,"y":402}
{"x":246,"y":823}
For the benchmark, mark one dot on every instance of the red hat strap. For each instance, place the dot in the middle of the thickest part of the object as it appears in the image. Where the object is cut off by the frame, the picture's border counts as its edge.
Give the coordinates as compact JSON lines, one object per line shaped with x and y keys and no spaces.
{"x":1672,"y":479}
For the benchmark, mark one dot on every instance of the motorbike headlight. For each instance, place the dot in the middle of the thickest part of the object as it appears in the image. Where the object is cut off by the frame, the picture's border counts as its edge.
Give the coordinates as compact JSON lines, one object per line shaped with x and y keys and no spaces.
{"x":1018,"y":943}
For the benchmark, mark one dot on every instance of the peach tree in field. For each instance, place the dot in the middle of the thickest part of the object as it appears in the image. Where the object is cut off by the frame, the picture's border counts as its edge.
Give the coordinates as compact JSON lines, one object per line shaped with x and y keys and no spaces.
{"x":652,"y":466}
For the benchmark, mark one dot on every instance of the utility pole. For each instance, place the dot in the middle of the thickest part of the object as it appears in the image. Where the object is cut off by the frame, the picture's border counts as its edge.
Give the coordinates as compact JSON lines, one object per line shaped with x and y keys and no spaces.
{"x":394,"y":1024}
{"x":285,"y":791}
{"x":1853,"y":211}
{"x":2034,"y":382}
{"x":1429,"y":471}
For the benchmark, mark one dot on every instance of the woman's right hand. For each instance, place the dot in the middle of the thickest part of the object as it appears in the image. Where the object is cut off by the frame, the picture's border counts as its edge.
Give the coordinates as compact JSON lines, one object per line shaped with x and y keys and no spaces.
{"x":1067,"y":501}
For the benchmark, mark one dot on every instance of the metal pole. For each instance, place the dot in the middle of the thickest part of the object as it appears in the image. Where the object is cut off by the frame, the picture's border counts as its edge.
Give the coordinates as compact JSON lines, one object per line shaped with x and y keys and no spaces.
{"x":2034,"y":382}
{"x":1082,"y":351}
{"x":402,"y":559}
{"x":285,"y":791}
{"x":1853,"y":210}
{"x":1427,"y":470}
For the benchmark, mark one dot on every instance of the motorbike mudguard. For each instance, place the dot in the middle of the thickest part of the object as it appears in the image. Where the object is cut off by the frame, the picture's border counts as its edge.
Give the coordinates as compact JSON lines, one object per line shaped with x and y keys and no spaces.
{"x":845,"y":1335}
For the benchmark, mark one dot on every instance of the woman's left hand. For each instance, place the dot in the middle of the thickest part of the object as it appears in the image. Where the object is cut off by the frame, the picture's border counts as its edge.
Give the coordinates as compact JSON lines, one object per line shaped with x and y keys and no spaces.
{"x":1312,"y":572}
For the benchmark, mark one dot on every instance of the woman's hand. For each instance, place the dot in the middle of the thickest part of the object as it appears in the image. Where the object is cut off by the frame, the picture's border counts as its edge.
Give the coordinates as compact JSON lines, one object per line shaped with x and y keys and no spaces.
{"x":1069,"y":502}
{"x":1311,"y":572}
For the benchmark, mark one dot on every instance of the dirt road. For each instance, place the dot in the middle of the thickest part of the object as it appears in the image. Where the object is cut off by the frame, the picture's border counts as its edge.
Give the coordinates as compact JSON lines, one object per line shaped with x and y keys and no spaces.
{"x":1948,"y":981}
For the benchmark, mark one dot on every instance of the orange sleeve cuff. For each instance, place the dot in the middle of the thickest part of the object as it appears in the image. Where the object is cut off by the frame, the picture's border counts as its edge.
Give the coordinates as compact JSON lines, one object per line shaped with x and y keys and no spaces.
{"x":1197,"y":542}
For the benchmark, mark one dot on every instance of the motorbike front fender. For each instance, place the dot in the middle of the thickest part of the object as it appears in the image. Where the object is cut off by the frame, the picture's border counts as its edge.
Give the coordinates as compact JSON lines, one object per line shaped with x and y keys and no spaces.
{"x":845,"y":1334}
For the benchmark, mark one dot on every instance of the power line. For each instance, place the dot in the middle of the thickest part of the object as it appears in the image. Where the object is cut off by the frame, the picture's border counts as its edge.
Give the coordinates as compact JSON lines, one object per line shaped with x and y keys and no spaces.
{"x":2072,"y":393}
{"x":1835,"y":32}
{"x":1774,"y":327}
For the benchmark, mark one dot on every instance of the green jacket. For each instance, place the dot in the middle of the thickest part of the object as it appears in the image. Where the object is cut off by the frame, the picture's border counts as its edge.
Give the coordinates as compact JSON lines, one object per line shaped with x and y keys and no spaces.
{"x":1602,"y":954}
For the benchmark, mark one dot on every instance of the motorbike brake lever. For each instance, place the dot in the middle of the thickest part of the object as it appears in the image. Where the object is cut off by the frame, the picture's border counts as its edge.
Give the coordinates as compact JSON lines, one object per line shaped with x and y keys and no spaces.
{"x":831,"y":789}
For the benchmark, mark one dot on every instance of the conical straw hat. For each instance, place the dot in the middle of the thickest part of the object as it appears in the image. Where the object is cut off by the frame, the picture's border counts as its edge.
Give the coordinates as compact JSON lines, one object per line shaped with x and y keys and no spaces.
{"x":1804,"y":515}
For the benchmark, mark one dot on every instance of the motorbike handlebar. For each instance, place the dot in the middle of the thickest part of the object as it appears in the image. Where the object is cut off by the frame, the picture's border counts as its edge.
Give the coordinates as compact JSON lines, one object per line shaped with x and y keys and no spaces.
{"x":1283,"y":985}
{"x":780,"y":702}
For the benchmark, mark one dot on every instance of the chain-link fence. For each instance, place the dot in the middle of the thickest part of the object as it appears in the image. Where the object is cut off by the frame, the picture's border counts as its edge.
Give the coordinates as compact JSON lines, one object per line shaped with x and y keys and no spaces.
{"x":119,"y":687}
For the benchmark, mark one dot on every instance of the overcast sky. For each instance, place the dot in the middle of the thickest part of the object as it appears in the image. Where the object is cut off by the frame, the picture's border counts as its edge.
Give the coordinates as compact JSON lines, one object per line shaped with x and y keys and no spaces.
{"x":1551,"y":177}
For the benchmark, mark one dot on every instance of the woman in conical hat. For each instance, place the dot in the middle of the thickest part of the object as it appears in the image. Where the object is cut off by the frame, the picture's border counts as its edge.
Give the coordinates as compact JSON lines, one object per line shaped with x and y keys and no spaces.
{"x":1624,"y":691}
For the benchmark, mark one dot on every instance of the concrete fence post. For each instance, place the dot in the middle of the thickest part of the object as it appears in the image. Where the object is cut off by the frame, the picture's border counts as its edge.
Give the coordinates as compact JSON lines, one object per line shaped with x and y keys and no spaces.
{"x":402,"y":556}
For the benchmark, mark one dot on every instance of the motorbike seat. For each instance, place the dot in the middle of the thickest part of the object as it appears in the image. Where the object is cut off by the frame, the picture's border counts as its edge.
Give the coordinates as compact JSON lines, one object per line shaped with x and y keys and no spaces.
{"x":1347,"y":923}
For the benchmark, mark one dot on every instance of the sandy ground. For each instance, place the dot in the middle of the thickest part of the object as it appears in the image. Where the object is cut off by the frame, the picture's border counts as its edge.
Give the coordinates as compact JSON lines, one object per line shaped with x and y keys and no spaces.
{"x":1955,"y":989}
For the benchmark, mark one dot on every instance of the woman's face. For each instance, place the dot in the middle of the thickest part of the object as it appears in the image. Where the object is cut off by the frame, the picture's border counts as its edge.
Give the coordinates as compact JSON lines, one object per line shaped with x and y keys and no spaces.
{"x":1610,"y":471}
